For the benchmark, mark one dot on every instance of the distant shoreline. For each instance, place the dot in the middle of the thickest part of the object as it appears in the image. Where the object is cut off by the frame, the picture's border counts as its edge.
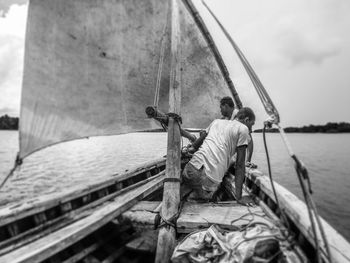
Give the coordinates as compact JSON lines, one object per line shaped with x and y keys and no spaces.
{"x":330,"y":127}
{"x":8,"y":123}
{"x":11,"y":123}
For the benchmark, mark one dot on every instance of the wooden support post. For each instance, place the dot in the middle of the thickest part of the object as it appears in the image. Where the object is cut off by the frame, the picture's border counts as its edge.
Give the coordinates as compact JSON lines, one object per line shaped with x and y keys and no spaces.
{"x":40,"y":218}
{"x":171,"y":194}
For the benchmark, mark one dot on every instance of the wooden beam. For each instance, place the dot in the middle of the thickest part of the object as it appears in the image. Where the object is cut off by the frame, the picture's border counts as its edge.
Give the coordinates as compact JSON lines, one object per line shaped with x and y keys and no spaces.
{"x":18,"y":211}
{"x":196,"y":216}
{"x":147,"y":242}
{"x":171,"y":194}
{"x":46,"y":247}
{"x":61,"y":221}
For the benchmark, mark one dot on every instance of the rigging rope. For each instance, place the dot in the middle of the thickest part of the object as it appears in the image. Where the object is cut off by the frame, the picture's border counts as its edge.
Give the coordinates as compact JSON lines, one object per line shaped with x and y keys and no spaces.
{"x":263,"y":95}
{"x":17,"y":164}
{"x":275,"y":119}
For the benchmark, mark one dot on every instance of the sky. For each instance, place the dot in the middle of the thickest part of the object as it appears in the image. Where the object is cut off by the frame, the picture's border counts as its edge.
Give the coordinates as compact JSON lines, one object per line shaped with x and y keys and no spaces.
{"x":299,"y":49}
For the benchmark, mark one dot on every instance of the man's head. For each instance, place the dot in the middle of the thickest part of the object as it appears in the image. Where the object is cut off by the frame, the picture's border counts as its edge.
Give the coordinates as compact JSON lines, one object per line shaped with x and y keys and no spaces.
{"x":226,"y":107}
{"x":246,"y":116}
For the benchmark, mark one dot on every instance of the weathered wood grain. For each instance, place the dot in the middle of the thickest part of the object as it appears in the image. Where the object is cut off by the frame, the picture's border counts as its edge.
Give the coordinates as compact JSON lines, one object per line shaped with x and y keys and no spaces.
{"x":171,"y":194}
{"x":195,"y":216}
{"x":37,"y":205}
{"x":63,"y":238}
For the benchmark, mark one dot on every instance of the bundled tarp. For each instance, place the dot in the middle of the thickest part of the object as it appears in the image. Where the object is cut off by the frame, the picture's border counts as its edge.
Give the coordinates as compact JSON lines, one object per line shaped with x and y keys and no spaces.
{"x":91,"y":68}
{"x":258,"y":243}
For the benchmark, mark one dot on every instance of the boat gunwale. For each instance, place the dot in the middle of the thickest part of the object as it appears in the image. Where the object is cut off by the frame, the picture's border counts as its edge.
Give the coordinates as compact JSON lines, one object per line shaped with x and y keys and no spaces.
{"x":296,"y":211}
{"x":46,"y":247}
{"x":33,"y":206}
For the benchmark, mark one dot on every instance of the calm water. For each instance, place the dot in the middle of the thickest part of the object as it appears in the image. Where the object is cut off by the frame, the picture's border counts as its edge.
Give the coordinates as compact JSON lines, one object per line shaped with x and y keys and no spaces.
{"x":83,"y":162}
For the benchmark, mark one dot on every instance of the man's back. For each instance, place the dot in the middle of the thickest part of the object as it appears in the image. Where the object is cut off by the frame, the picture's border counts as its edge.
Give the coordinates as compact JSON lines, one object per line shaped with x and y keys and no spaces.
{"x":219,"y":146}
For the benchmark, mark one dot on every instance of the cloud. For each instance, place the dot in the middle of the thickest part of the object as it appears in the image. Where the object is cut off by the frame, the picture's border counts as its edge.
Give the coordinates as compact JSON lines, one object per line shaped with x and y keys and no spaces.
{"x":12,"y":31}
{"x":9,"y":111}
{"x":6,"y":4}
{"x":300,"y":48}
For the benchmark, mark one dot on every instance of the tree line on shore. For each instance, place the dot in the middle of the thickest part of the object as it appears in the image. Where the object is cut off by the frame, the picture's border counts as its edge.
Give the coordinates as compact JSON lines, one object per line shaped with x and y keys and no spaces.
{"x":330,"y":127}
{"x":11,"y":123}
{"x":8,"y":123}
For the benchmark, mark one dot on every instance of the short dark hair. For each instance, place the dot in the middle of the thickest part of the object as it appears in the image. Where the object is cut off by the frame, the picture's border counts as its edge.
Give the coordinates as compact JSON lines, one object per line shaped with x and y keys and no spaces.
{"x":227,"y":100}
{"x":245,"y":112}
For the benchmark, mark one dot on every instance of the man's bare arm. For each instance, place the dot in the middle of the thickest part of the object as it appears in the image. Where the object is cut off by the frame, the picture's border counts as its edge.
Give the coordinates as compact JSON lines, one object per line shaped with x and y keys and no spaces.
{"x":240,"y":170}
{"x":188,"y":135}
{"x":250,"y":149}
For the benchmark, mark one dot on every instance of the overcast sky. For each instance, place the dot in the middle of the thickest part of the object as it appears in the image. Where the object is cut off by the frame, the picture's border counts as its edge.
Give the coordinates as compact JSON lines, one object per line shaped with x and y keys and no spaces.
{"x":300,"y":50}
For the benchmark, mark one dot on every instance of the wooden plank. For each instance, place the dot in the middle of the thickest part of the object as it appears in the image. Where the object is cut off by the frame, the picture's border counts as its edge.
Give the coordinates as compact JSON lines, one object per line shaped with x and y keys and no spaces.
{"x":171,"y":194}
{"x":59,"y":222}
{"x":195,"y":216}
{"x":91,"y":259}
{"x":147,"y":242}
{"x":88,"y":250}
{"x":297,"y":212}
{"x":146,"y":206}
{"x":30,"y":207}
{"x":40,"y":218}
{"x":63,"y":238}
{"x":66,"y":207}
{"x":115,"y":253}
{"x":13,"y":229}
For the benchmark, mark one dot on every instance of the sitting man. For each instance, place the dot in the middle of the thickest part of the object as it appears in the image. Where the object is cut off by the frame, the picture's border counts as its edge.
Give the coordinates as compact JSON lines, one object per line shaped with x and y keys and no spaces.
{"x":206,"y":169}
{"x":227,"y":108}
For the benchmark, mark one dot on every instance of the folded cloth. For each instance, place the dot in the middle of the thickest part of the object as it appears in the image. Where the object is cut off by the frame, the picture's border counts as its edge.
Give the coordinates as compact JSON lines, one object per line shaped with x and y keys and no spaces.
{"x":258,"y":242}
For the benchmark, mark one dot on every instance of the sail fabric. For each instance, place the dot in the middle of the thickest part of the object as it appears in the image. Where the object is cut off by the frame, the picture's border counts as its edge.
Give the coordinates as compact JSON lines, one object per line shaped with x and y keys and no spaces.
{"x":91,"y":66}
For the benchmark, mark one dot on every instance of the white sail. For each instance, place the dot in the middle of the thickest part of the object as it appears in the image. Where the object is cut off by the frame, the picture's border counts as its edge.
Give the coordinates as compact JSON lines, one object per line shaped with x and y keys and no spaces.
{"x":91,"y":69}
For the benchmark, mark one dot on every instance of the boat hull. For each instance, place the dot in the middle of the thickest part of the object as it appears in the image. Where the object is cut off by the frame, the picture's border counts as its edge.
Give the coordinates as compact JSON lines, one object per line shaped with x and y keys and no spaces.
{"x":118,"y":219}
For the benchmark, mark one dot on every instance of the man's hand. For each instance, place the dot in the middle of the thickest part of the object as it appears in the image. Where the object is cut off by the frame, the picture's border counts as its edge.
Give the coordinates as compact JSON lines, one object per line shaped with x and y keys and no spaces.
{"x":246,"y":200}
{"x":251,"y":165}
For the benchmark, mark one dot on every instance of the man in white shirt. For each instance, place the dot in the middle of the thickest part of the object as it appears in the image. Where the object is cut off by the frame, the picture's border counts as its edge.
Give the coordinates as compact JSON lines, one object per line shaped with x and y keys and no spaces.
{"x":205,"y":170}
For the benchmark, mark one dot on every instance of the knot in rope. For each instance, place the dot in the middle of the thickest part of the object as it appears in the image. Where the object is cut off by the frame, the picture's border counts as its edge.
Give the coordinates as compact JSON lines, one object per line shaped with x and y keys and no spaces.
{"x":18,"y":161}
{"x":301,"y":170}
{"x":160,"y":221}
{"x":175,"y":116}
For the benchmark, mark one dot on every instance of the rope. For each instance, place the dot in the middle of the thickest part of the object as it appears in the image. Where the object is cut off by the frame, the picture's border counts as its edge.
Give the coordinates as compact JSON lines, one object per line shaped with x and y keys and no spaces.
{"x":175,"y":116}
{"x":269,"y":166}
{"x":278,"y":235}
{"x":18,"y":163}
{"x":283,"y":215}
{"x":262,"y":93}
{"x":162,"y":222}
{"x":274,"y":115}
{"x":304,"y":176}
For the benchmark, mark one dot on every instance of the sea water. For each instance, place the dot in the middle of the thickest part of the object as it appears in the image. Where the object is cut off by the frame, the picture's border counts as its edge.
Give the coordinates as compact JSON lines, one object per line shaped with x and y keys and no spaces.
{"x":84,"y":162}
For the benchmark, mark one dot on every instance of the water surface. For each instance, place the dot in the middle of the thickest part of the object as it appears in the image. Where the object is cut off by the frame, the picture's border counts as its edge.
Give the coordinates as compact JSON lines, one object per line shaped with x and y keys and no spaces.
{"x":81,"y":163}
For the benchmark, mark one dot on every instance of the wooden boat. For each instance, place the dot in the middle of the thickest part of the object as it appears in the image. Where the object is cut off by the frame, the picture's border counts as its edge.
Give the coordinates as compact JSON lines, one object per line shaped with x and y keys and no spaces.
{"x":131,"y":218}
{"x":115,"y":220}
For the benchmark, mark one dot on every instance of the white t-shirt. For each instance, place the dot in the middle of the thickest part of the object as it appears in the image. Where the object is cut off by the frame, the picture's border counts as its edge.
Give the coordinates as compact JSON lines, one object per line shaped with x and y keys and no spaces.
{"x":224,"y":136}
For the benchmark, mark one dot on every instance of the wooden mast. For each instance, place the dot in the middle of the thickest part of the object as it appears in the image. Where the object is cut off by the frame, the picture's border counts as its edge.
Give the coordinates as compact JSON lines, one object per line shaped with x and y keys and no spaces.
{"x":171,"y":194}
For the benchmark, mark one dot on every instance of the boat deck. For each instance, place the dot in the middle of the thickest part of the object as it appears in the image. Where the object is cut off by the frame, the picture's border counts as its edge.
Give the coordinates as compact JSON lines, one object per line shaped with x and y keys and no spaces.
{"x":194,"y":216}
